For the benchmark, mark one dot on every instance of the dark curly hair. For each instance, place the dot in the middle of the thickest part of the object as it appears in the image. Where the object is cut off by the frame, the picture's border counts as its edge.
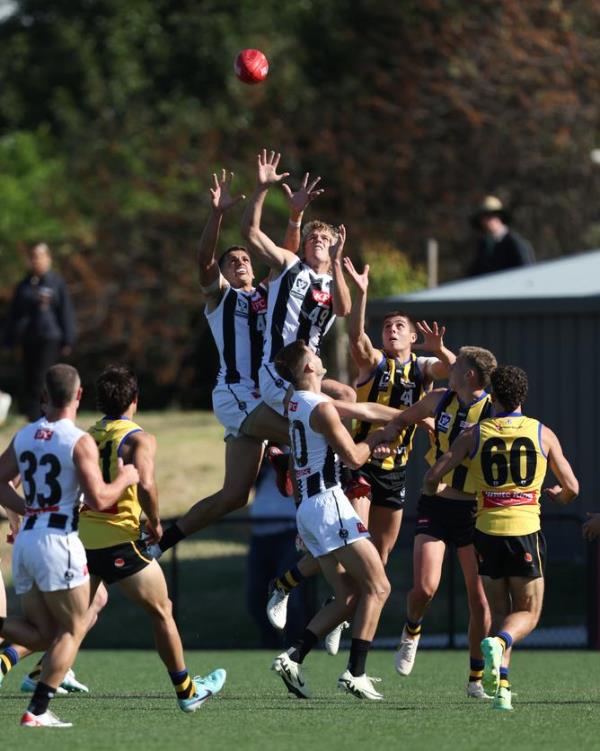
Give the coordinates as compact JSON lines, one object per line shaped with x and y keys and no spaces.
{"x":509,"y":386}
{"x":116,"y":388}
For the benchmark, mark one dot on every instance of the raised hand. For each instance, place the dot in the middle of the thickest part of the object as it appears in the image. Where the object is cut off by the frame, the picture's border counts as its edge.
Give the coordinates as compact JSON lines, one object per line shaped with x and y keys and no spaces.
{"x":361,"y":280}
{"x":336,"y":249}
{"x":220,"y":194}
{"x":267,"y":169}
{"x":306,"y":193}
{"x":433,"y":336}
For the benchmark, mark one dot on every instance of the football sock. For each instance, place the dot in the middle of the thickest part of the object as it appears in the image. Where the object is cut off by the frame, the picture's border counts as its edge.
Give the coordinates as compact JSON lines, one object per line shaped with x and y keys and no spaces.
{"x":413,"y":628}
{"x":8,"y":659}
{"x":303,"y":646}
{"x":35,"y":673}
{"x":476,"y":669}
{"x":289,"y":580}
{"x":41,"y":698}
{"x":171,"y":537}
{"x":504,"y":682}
{"x":184,"y":685}
{"x":359,"y":650}
{"x":506,"y":639}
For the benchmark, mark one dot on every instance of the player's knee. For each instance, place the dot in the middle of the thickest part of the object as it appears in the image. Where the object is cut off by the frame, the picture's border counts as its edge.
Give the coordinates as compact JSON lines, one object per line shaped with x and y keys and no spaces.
{"x":424,"y":592}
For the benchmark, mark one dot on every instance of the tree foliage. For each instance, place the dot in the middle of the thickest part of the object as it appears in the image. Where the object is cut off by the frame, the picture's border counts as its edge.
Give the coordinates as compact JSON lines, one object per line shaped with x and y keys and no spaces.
{"x":113,"y":115}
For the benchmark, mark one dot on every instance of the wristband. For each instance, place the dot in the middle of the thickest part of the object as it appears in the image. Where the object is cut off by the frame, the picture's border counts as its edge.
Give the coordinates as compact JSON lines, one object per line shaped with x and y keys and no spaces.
{"x":295,"y":224}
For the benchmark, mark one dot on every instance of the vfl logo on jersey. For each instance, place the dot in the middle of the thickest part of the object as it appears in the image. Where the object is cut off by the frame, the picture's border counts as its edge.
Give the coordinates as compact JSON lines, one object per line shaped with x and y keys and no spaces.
{"x":443,"y":422}
{"x":385,"y":381}
{"x":242,"y":307}
{"x":43,"y":434}
{"x":300,"y":288}
{"x":322,"y":297}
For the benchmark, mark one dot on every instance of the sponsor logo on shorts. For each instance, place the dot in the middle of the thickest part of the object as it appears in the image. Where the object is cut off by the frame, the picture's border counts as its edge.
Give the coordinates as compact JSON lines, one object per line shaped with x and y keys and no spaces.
{"x":528,"y":558}
{"x":43,"y":434}
{"x":507,"y":498}
{"x":119,"y":562}
{"x":86,"y":570}
{"x":361,"y":528}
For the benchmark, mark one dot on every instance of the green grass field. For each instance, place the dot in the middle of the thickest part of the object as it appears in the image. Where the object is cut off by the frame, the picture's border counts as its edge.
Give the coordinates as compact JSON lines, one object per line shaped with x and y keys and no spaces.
{"x":132,"y":706}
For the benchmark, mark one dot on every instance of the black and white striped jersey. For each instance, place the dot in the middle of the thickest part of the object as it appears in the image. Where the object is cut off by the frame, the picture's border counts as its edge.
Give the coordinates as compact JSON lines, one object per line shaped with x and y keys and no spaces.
{"x":300,"y":307}
{"x":316,"y":464}
{"x":238,"y":324}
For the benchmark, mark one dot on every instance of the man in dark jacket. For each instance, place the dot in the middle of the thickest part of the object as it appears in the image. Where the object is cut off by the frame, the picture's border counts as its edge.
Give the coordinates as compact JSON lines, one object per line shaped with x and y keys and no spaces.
{"x":41,"y":321}
{"x":499,"y":247}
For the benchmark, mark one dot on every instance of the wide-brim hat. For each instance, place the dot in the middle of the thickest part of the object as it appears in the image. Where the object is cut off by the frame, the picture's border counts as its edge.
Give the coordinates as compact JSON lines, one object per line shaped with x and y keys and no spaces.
{"x":490,"y":206}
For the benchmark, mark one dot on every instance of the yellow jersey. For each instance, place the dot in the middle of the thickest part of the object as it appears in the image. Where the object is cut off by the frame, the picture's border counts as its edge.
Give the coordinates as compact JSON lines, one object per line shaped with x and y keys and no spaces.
{"x":395,"y":384}
{"x":119,"y":523}
{"x":508,"y":466}
{"x":451,"y":418}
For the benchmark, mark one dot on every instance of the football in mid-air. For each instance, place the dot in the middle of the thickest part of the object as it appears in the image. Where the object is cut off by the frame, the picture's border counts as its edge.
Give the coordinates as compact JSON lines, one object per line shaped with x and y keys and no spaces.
{"x":251,"y":66}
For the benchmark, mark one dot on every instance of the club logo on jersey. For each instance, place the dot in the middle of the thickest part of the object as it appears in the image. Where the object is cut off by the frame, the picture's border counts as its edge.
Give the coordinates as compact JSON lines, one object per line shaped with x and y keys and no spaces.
{"x":361,"y":528}
{"x":322,"y":297}
{"x":43,"y":434}
{"x":443,"y":422}
{"x":119,"y":562}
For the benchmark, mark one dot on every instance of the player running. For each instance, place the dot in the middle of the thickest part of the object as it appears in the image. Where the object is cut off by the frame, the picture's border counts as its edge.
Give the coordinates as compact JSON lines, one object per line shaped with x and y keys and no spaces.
{"x":56,"y":462}
{"x":508,"y":454}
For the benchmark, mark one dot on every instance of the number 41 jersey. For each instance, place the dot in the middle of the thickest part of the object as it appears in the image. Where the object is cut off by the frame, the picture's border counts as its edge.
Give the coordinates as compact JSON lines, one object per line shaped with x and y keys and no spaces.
{"x":508,"y":467}
{"x":44,"y":452}
{"x":119,"y":523}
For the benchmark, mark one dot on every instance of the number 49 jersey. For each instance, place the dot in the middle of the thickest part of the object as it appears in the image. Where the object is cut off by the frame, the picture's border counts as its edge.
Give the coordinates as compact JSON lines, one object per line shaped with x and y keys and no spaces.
{"x":508,"y":466}
{"x":121,"y":522}
{"x":44,"y":452}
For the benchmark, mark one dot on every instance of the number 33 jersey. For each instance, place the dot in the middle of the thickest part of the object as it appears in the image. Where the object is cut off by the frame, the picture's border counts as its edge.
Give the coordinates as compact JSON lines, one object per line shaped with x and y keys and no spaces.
{"x":508,"y":466}
{"x":44,"y":452}
{"x":121,"y":522}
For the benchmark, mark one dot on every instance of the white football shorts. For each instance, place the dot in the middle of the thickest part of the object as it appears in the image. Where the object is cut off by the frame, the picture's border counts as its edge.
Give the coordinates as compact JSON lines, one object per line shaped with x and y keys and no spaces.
{"x":327,"y":521}
{"x":273,"y":388}
{"x":232,"y":403}
{"x":50,"y":560}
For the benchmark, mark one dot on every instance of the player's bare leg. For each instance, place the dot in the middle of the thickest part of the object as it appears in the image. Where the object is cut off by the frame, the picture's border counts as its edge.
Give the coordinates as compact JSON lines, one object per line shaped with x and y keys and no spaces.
{"x":479,"y":618}
{"x":428,"y":559}
{"x":384,"y":527}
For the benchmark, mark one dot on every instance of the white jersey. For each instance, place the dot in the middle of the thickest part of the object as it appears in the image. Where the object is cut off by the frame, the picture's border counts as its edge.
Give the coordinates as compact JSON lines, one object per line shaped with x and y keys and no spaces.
{"x":300,"y":307}
{"x":238,"y":325}
{"x":44,"y":452}
{"x":316,"y":464}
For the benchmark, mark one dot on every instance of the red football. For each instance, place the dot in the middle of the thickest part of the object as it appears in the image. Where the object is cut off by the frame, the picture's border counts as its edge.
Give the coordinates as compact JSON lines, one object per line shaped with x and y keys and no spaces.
{"x":251,"y":66}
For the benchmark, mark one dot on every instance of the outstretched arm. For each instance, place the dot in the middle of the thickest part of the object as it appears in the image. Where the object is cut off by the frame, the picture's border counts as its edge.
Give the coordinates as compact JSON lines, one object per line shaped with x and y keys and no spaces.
{"x":221,"y":201}
{"x":261,"y":245}
{"x":298,"y":202}
{"x":433,"y":341}
{"x":568,"y":488}
{"x":458,"y":452}
{"x":362,"y":350}
{"x":9,"y":469}
{"x":341,"y":302}
{"x":368,"y":411}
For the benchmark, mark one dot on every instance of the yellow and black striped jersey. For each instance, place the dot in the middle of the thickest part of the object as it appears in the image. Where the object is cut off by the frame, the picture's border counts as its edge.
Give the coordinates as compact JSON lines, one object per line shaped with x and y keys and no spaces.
{"x":508,"y":466}
{"x":451,"y":418}
{"x":399,"y":385}
{"x":121,"y":522}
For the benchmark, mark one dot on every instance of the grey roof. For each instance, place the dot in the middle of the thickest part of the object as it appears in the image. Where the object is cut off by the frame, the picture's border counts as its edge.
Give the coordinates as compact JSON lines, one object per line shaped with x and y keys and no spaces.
{"x":574,"y":276}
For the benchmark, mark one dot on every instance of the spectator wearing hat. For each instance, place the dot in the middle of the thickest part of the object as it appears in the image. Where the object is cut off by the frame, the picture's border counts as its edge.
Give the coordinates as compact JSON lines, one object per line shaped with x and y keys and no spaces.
{"x":499,"y":247}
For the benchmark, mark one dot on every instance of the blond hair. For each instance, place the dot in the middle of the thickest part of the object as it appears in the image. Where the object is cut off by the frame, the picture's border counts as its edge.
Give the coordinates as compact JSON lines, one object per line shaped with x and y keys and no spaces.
{"x":482,"y":361}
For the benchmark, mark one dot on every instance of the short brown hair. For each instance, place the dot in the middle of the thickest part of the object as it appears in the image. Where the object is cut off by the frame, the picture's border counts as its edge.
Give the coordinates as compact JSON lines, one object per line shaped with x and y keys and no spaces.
{"x":221,"y":261}
{"x":482,"y":361}
{"x":289,"y":360}
{"x":62,"y":382}
{"x":399,"y":314}
{"x":510,"y":386}
{"x":116,"y":389}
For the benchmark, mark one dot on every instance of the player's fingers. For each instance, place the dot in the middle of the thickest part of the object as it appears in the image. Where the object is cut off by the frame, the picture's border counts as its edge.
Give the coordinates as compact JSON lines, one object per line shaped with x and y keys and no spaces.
{"x":304,"y":182}
{"x":314,"y":183}
{"x":239,"y":198}
{"x":271,"y":156}
{"x":287,"y":190}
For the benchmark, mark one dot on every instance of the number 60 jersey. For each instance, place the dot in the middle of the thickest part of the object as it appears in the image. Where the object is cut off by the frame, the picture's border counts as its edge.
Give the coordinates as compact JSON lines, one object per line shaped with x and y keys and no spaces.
{"x":44,"y":452}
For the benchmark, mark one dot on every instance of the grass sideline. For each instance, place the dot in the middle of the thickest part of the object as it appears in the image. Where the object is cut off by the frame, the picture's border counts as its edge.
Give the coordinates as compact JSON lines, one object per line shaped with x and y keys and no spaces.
{"x":556,"y":707}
